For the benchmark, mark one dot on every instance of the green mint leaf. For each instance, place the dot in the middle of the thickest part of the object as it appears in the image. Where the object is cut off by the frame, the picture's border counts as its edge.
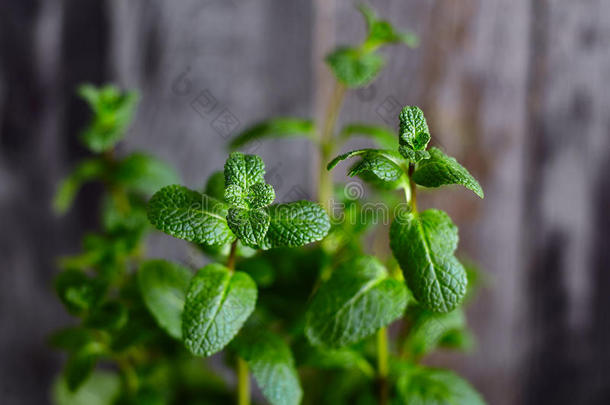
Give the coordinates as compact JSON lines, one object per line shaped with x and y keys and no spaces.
{"x":413,"y":156}
{"x":244,"y":170}
{"x":414,"y":133}
{"x":295,"y":224}
{"x":354,"y":303}
{"x":113,"y":111}
{"x":218,"y":303}
{"x":102,"y":388}
{"x":441,"y":169}
{"x":111,"y":315}
{"x":353,"y":67}
{"x":432,"y":386}
{"x":163,"y":286}
{"x":458,"y":339}
{"x":79,"y":292}
{"x":388,"y":154}
{"x":80,"y":365}
{"x":272,"y":365}
{"x":71,"y":338}
{"x":385,"y":137}
{"x":215,"y":187}
{"x":379,"y":166}
{"x":423,"y":246}
{"x":339,"y":359}
{"x":429,"y":328}
{"x":144,"y":174}
{"x":250,"y":226}
{"x":189,"y":215}
{"x":260,"y":195}
{"x":382,"y":32}
{"x":87,"y":170}
{"x":275,"y":128}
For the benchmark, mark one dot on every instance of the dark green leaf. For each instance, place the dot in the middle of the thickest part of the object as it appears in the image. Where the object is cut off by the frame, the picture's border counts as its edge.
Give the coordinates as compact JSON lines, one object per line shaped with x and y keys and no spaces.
{"x":244,"y":170}
{"x":389,"y":155}
{"x":414,"y":133}
{"x":80,"y":365}
{"x":218,"y":303}
{"x":431,"y":386}
{"x":111,"y":315}
{"x":189,"y":215}
{"x":423,"y":246}
{"x":275,"y":128}
{"x":441,"y":169}
{"x":250,"y":226}
{"x":113,"y":110}
{"x":87,"y":170}
{"x":215,"y":187}
{"x":272,"y":365}
{"x":353,"y":67}
{"x":354,"y":303}
{"x":144,"y":174}
{"x":295,"y":224}
{"x":71,"y":338}
{"x":101,"y":388}
{"x":78,"y":292}
{"x":163,"y":286}
{"x":385,"y":137}
{"x":382,"y":169}
{"x":341,"y":359}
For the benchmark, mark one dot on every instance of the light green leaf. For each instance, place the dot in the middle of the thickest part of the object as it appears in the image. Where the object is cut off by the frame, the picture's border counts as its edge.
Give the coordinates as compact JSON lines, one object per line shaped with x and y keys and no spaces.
{"x":275,"y":128}
{"x":353,"y":67}
{"x":343,"y":359}
{"x":272,"y":365}
{"x":414,"y":133}
{"x":163,"y":286}
{"x":429,"y":328}
{"x":382,"y":32}
{"x":423,"y":246}
{"x":87,"y":170}
{"x":144,"y":174}
{"x":250,"y":226}
{"x":441,"y":169}
{"x":218,"y":303}
{"x":295,"y":224}
{"x":354,"y":303}
{"x":385,"y":137}
{"x":113,"y":111}
{"x":422,"y":386}
{"x":189,"y":215}
{"x":101,"y":388}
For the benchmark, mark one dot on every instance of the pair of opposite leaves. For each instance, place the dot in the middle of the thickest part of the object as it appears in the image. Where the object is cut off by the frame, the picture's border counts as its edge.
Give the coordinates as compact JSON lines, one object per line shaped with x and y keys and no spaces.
{"x":218,"y":300}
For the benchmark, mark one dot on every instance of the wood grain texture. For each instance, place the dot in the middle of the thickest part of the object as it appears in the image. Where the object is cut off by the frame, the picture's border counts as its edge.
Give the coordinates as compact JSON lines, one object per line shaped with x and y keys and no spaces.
{"x":514,"y":89}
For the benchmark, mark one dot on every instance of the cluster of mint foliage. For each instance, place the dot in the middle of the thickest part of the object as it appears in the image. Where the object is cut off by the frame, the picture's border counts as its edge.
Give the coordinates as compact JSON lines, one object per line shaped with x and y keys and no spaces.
{"x":294,"y":295}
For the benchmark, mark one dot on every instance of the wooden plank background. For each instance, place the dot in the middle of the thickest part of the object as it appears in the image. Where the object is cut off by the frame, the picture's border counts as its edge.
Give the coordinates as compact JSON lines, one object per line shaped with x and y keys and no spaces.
{"x":516,"y":89}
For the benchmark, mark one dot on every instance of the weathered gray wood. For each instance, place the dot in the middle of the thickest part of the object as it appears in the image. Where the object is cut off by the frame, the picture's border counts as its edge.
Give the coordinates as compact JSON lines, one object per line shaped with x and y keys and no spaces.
{"x":514,"y":89}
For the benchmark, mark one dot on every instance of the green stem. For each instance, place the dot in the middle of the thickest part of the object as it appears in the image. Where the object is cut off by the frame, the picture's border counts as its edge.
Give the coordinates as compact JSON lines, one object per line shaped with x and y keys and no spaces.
{"x":382,"y":365}
{"x":232,"y":254}
{"x":243,"y":382}
{"x":327,"y":146}
{"x":413,"y":196}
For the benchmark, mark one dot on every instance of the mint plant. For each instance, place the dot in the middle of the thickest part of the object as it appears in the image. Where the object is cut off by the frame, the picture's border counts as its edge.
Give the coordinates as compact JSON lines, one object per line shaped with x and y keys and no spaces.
{"x":318,"y":302}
